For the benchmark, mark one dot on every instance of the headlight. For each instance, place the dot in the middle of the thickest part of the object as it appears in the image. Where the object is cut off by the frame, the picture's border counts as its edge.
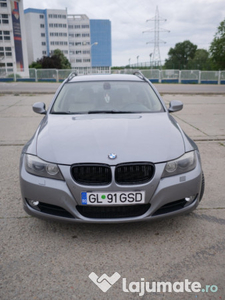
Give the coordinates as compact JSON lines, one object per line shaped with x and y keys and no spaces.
{"x":39,"y":167}
{"x":184,"y":164}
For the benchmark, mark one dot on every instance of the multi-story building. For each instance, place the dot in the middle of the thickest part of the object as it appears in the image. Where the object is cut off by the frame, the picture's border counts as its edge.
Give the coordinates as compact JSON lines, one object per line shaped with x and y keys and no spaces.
{"x":13,"y":46}
{"x":86,"y":43}
{"x":101,"y":33}
{"x":46,"y":31}
{"x":79,"y":40}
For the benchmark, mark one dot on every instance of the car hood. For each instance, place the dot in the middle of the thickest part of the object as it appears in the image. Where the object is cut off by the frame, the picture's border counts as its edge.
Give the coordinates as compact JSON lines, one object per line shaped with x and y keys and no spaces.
{"x":66,"y":139}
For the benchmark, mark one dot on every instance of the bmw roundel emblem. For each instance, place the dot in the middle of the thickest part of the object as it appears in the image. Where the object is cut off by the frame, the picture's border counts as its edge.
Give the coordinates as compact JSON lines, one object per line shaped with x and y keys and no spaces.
{"x":112,"y":156}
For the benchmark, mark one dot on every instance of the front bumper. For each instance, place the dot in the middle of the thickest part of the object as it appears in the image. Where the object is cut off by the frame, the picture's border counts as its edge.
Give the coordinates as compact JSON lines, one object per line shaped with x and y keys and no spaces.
{"x":61,"y":200}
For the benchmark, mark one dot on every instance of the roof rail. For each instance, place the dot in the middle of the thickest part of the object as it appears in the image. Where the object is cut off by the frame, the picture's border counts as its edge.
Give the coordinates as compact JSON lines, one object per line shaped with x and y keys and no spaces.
{"x":71,"y":75}
{"x":140,"y":75}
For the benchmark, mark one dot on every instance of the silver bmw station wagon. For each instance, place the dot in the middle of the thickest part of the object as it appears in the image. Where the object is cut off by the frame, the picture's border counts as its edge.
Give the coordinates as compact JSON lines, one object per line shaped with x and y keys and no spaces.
{"x":108,"y":150}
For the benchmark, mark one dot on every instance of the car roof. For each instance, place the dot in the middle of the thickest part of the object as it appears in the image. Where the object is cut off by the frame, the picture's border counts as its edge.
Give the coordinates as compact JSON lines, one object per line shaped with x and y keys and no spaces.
{"x":106,"y":77}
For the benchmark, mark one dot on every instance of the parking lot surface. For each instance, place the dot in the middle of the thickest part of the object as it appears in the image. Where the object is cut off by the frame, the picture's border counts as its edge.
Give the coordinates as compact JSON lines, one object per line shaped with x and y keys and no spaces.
{"x":50,"y":87}
{"x":45,"y":260}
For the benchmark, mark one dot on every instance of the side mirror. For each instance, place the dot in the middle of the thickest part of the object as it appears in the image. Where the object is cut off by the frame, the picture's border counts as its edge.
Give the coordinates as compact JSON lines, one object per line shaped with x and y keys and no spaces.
{"x":39,"y":108}
{"x":175,"y":105}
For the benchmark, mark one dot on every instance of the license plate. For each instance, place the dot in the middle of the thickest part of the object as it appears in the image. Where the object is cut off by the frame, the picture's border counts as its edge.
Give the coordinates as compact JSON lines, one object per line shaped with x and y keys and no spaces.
{"x":119,"y":198}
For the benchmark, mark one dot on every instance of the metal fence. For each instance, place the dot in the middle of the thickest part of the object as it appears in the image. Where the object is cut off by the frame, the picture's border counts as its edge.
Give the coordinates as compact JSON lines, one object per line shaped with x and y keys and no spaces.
{"x":154,"y":75}
{"x":50,"y":75}
{"x":60,"y":75}
{"x":192,"y":76}
{"x":186,"y":76}
{"x":180,"y":76}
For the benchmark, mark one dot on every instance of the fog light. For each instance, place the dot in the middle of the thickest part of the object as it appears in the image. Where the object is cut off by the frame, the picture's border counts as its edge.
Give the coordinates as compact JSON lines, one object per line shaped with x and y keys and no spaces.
{"x":189,"y":199}
{"x":34,"y":203}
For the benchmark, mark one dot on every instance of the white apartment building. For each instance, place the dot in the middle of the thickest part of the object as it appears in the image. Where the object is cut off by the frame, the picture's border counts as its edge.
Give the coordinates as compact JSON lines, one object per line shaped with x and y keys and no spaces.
{"x":79,"y":40}
{"x":28,"y":35}
{"x":46,"y":31}
{"x":86,"y":43}
{"x":52,"y":29}
{"x":13,"y":46}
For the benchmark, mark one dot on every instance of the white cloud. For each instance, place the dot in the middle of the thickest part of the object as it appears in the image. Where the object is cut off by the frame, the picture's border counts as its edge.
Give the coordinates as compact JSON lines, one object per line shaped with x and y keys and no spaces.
{"x":194,"y":20}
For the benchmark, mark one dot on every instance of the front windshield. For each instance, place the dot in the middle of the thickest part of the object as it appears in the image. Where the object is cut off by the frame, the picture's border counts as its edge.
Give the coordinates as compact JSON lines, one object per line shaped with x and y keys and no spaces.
{"x":106,"y":97}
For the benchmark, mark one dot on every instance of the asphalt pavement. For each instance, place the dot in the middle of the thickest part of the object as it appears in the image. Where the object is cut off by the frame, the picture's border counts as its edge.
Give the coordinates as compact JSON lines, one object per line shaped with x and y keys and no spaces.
{"x":50,"y":87}
{"x":45,"y":260}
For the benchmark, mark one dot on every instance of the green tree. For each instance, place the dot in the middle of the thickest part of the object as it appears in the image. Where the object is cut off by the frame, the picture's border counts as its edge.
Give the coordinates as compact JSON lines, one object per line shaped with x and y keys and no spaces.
{"x":64,"y":62}
{"x":49,"y":62}
{"x":201,"y":61}
{"x":180,"y":55}
{"x":35,"y":65}
{"x":56,"y":61}
{"x":217,"y":47}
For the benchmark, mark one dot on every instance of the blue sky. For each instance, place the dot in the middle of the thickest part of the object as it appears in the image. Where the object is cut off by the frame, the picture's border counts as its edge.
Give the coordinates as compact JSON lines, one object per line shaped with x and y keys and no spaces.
{"x":194,"y":20}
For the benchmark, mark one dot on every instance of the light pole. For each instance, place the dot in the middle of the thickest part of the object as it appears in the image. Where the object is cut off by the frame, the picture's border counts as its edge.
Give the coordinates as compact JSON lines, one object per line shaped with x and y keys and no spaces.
{"x":150,"y":59}
{"x":129,"y":61}
{"x":137,"y":60}
{"x":95,"y":43}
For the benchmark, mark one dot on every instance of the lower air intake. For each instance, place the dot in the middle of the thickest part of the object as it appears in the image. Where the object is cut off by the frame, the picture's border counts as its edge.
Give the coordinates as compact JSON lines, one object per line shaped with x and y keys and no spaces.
{"x":113,"y":212}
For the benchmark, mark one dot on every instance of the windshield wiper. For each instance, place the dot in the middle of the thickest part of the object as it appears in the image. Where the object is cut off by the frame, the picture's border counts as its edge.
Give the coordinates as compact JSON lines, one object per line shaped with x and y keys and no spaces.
{"x":109,"y":112}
